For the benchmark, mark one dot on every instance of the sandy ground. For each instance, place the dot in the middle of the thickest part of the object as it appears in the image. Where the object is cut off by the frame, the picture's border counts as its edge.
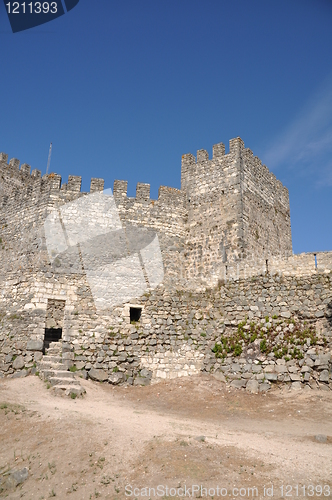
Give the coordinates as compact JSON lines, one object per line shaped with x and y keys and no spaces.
{"x":115,"y":442}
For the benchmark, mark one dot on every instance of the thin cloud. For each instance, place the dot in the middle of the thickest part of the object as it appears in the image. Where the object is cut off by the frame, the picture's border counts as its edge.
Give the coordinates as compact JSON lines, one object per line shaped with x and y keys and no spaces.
{"x":308,"y":139}
{"x":325,"y":178}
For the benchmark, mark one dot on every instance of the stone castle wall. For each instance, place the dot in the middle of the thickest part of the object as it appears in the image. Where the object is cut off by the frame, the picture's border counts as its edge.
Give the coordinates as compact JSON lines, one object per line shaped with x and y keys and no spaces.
{"x":266,"y":214}
{"x":225,"y":241}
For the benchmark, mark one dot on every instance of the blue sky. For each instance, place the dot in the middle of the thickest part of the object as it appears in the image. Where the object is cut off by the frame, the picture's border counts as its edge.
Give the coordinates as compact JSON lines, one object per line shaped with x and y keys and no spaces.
{"x":124,"y":88}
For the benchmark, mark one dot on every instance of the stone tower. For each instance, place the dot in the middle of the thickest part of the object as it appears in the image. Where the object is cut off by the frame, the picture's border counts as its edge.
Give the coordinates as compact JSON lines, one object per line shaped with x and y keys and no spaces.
{"x":237,"y":210}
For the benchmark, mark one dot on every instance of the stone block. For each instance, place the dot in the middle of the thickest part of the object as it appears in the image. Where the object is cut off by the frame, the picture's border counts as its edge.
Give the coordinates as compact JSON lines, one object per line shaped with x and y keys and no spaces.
{"x":98,"y":374}
{"x":272,"y":377}
{"x":256,"y":368}
{"x":20,"y":374}
{"x":35,"y":345}
{"x":264,"y":387}
{"x":238,"y":383}
{"x":142,"y":381}
{"x":38,"y":356}
{"x":280,"y":369}
{"x":324,"y":376}
{"x":18,"y":363}
{"x":252,"y":386}
{"x":116,"y":378}
{"x":14,"y":478}
{"x":79,"y":365}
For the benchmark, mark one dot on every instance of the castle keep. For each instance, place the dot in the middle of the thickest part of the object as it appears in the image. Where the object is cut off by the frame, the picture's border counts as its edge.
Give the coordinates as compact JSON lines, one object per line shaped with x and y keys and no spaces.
{"x":226,"y":248}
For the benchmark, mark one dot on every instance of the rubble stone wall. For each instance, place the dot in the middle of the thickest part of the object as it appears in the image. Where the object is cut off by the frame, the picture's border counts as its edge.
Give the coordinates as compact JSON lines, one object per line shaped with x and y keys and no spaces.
{"x":178,"y":331}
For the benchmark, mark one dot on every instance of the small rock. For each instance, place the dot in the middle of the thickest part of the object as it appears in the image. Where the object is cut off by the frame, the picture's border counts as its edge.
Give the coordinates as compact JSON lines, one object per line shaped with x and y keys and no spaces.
{"x":145,"y":373}
{"x":200,"y":438}
{"x":17,"y":477}
{"x":321,"y":438}
{"x":296,"y":386}
{"x":142,"y":381}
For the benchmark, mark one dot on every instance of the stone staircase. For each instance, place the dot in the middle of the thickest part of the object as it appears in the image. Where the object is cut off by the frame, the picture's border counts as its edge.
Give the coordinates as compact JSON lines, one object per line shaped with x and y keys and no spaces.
{"x":55,"y":371}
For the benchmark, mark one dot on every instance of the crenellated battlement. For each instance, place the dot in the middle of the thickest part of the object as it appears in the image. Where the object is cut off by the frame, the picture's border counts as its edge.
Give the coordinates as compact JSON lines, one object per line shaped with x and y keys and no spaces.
{"x":236,"y":146}
{"x":142,"y":192}
{"x":52,"y":180}
{"x":229,"y":207}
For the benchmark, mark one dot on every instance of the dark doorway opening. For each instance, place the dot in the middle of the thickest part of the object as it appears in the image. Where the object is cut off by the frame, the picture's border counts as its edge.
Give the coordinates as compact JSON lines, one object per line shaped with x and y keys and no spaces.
{"x":51,"y":335}
{"x":135,"y":314}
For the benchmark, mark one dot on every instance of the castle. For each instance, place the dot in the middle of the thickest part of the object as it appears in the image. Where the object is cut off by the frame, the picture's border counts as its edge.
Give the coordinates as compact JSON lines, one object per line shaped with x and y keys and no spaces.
{"x":229,"y":222}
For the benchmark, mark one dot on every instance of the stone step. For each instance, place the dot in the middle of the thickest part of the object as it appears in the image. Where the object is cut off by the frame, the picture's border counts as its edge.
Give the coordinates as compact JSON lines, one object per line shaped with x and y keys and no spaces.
{"x":57,"y":380}
{"x":53,"y":359}
{"x":47,"y":365}
{"x":67,"y":390}
{"x":60,"y":373}
{"x":56,"y":344}
{"x":55,"y":349}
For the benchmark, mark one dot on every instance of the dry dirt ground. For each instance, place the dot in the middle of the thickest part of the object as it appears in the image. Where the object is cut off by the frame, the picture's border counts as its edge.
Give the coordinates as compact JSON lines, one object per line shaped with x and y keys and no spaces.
{"x":175,"y":435}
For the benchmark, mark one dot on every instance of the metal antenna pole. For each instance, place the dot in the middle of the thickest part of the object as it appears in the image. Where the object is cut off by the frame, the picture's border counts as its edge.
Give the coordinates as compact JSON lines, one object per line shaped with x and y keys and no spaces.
{"x":49,"y":159}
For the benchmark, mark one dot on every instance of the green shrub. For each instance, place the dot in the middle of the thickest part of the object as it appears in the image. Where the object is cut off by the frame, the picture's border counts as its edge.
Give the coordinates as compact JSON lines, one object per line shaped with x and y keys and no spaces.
{"x":263,"y":346}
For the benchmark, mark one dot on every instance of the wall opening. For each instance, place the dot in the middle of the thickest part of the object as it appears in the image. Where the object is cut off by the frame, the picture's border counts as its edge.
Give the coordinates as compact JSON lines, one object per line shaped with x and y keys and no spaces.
{"x":135,"y":314}
{"x":315,"y":260}
{"x":51,"y":335}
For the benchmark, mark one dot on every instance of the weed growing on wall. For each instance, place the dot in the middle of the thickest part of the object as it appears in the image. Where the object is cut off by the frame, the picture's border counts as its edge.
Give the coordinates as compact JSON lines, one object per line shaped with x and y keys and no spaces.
{"x":282,"y":338}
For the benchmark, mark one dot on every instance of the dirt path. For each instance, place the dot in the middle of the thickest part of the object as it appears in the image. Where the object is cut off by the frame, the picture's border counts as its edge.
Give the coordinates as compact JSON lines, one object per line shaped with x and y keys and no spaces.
{"x":182,"y":433}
